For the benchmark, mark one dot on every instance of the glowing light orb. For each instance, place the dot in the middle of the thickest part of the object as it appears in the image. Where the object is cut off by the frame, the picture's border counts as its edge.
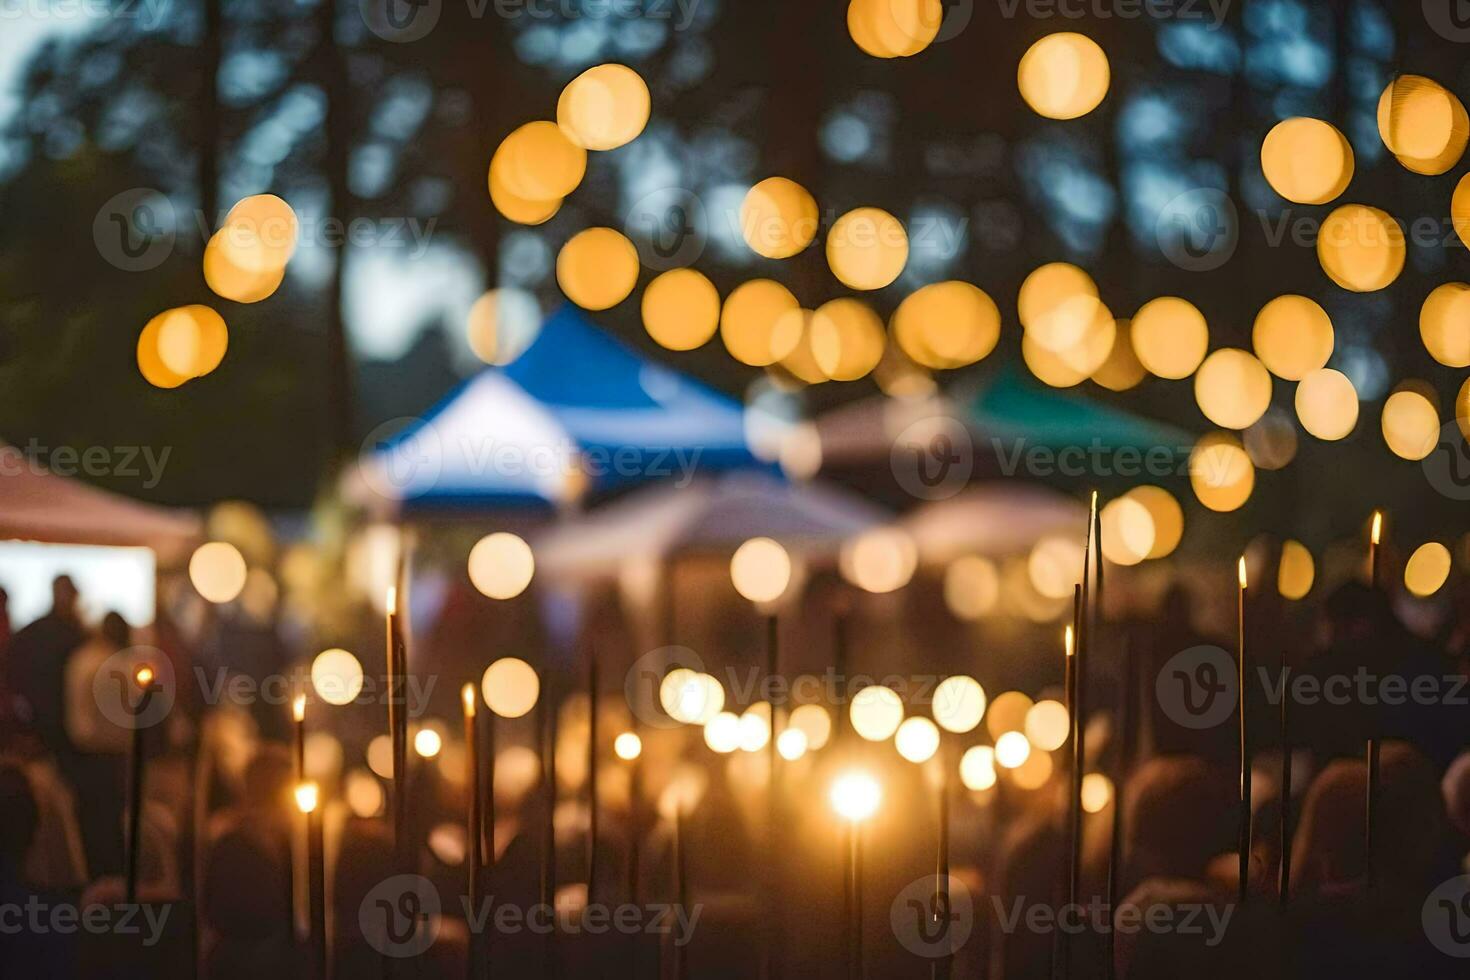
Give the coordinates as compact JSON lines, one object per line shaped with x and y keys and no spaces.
{"x":867,"y":248}
{"x":691,"y":697}
{"x":778,"y":218}
{"x":1055,"y":565}
{"x":603,"y":108}
{"x":917,"y":739}
{"x":1048,"y":725}
{"x":754,"y":325}
{"x":959,"y":704}
{"x":510,"y":687}
{"x":519,"y":209}
{"x":1012,"y":750}
{"x":1221,"y":473}
{"x":217,"y":571}
{"x":681,"y":309}
{"x":1361,"y":248}
{"x":1297,"y":571}
{"x":791,"y":744}
{"x":227,"y":279}
{"x":628,"y":746}
{"x":847,"y":339}
{"x":946,"y":325}
{"x":1170,"y":337}
{"x":1064,"y":76}
{"x":856,"y":796}
{"x":537,"y":162}
{"x":722,"y":732}
{"x":1097,"y":792}
{"x":760,"y":570}
{"x":1410,"y":425}
{"x":502,"y":324}
{"x":1444,"y":324}
{"x":814,"y":722}
{"x":881,"y":560}
{"x":380,"y":756}
{"x":755,"y":727}
{"x":977,"y":768}
{"x":1233,"y":389}
{"x":894,"y":28}
{"x":1122,"y":370}
{"x":1167,"y":516}
{"x":1008,"y":713}
{"x":1423,"y":124}
{"x":259,"y":234}
{"x":427,"y":743}
{"x":1428,"y":569}
{"x":1293,"y":337}
{"x":336,"y":676}
{"x":1307,"y":161}
{"x":1327,"y":404}
{"x":875,"y":712}
{"x":971,"y":587}
{"x":1127,"y":531}
{"x":364,"y":794}
{"x":597,"y":268}
{"x":501,"y":565}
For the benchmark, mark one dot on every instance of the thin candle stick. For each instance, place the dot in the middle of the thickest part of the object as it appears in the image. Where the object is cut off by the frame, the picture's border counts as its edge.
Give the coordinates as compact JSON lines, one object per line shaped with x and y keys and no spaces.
{"x":398,"y":799}
{"x":550,"y":965}
{"x":1374,"y":745}
{"x":298,"y":731}
{"x":474,"y":829}
{"x":1074,"y":777}
{"x":1244,"y":844}
{"x":939,"y":967}
{"x":1284,"y":888}
{"x":857,"y":900}
{"x":592,"y":807}
{"x":773,"y":807}
{"x":681,"y":888}
{"x":143,"y":678}
{"x":1120,"y":779}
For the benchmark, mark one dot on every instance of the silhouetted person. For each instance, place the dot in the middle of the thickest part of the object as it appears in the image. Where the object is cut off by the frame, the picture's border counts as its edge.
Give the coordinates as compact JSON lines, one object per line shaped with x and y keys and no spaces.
{"x":100,"y":744}
{"x":37,"y":658}
{"x":36,"y":954}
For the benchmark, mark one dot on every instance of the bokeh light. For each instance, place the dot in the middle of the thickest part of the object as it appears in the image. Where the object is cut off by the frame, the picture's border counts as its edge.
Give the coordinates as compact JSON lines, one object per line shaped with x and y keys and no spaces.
{"x":627,"y":746}
{"x":1327,"y":404}
{"x":875,"y":712}
{"x":847,"y":339}
{"x":760,"y":570}
{"x":538,"y":163}
{"x":754,"y":325}
{"x":917,"y":739}
{"x":336,"y":676}
{"x":971,"y":587}
{"x":1307,"y":161}
{"x":1232,"y":388}
{"x":691,"y":697}
{"x":1170,"y":337}
{"x":502,"y":324}
{"x":1444,"y":324}
{"x":427,"y":743}
{"x":946,"y":325}
{"x":1297,"y":571}
{"x":1034,"y":772}
{"x":1167,"y":515}
{"x":959,"y":704}
{"x":510,"y":687}
{"x":501,"y":565}
{"x":1127,"y":531}
{"x":1428,"y":568}
{"x":867,"y":248}
{"x":1293,"y":337}
{"x":1007,"y":713}
{"x":856,"y":796}
{"x":977,"y":768}
{"x":364,"y":794}
{"x":1361,"y":248}
{"x":1048,"y":725}
{"x":380,"y":756}
{"x":791,"y":744}
{"x":894,"y":28}
{"x":217,"y":571}
{"x":1221,"y":472}
{"x":1122,"y":370}
{"x":603,"y":108}
{"x":881,"y":560}
{"x":1423,"y":124}
{"x":722,"y":732}
{"x":1012,"y":750}
{"x":234,"y":283}
{"x":755,"y":727}
{"x":814,"y":721}
{"x":1410,"y":424}
{"x":681,"y":309}
{"x":1064,"y":76}
{"x":778,"y":218}
{"x":1055,"y":565}
{"x":597,"y":268}
{"x":1097,"y":792}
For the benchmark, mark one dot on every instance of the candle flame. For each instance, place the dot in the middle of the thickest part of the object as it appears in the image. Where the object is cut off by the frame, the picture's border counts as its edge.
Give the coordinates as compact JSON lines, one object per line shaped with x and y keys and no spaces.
{"x":1240,"y":570}
{"x":143,"y":675}
{"x":1377,"y":526}
{"x":306,"y":797}
{"x":467,"y":693}
{"x":1070,"y":641}
{"x":392,"y":605}
{"x":298,"y":708}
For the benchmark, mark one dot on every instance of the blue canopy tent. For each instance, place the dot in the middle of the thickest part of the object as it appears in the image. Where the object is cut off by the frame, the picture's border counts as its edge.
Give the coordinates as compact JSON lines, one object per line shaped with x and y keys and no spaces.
{"x":577,"y":413}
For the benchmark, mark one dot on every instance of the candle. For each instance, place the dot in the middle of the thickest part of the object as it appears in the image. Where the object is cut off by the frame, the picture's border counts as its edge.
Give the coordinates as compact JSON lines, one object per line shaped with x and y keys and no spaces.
{"x":681,"y":887}
{"x":397,"y":730}
{"x":940,"y":966}
{"x":773,"y":806}
{"x":592,"y":807}
{"x":307,"y":801}
{"x":1077,"y":760}
{"x":1245,"y":754}
{"x":629,"y":747}
{"x":1373,"y":761}
{"x":855,"y":796}
{"x":298,"y":731}
{"x":143,"y":678}
{"x":474,"y":832}
{"x":1115,"y":838}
